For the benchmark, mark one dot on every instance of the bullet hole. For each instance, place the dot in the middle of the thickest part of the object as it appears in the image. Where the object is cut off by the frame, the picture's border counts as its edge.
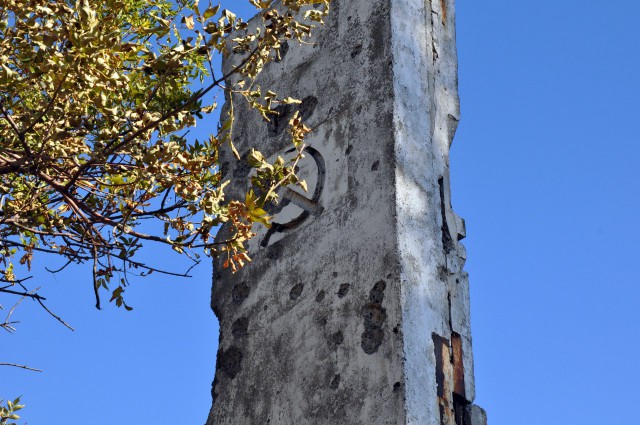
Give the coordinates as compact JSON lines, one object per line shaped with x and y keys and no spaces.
{"x":457,"y":280}
{"x":307,"y":107}
{"x":275,"y":251}
{"x":240,"y":51}
{"x":296,"y":291}
{"x":282,"y":52}
{"x":320,"y":296}
{"x":377,"y":293}
{"x":229,"y":361}
{"x":374,"y":316}
{"x":283,"y":114}
{"x":240,"y":328}
{"x":371,"y":340}
{"x":335,"y":274}
{"x":224,"y":168}
{"x":375,"y":166}
{"x":242,"y":168}
{"x":335,"y":382}
{"x":356,"y":51}
{"x":266,"y":307}
{"x":396,"y":387}
{"x":279,"y":121}
{"x":239,"y":293}
{"x":337,"y":338}
{"x":349,"y":150}
{"x":344,"y":289}
{"x":396,"y":330}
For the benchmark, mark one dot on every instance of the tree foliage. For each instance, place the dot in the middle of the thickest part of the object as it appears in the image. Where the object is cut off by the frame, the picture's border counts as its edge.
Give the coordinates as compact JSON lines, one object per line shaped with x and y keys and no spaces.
{"x":8,"y":411}
{"x":96,"y":102}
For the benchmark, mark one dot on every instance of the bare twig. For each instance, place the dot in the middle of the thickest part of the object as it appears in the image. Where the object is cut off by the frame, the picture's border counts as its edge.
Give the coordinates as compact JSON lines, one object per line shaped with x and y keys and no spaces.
{"x":96,"y":285}
{"x":58,"y":318}
{"x":20,"y":366}
{"x":7,"y":325}
{"x":22,"y":294}
{"x":52,"y":314}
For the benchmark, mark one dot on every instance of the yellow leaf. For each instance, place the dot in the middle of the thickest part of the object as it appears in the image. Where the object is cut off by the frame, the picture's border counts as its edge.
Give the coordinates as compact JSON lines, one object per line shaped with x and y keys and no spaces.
{"x":188,"y":22}
{"x":211,"y":12}
{"x":291,"y":101}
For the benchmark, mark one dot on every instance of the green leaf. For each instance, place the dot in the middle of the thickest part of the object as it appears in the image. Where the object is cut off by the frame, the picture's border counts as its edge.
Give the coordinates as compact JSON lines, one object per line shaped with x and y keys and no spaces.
{"x":210,"y":12}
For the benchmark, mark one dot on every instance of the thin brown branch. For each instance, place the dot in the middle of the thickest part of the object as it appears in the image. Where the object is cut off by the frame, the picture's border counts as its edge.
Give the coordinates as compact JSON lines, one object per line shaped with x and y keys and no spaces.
{"x":96,"y":285}
{"x":11,"y":121}
{"x":52,"y":314}
{"x":6,"y":320}
{"x":58,"y":270}
{"x":155,"y":270}
{"x":47,"y":251}
{"x":20,"y":366}
{"x":49,"y":105}
{"x":22,"y":294}
{"x":7,"y":325}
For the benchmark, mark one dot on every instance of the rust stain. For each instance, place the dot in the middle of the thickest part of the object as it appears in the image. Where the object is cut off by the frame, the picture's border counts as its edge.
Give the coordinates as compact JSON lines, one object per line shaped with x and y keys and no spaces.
{"x":450,"y":382}
{"x":443,"y":4}
{"x":458,"y":365}
{"x":444,"y":372}
{"x":441,"y":349}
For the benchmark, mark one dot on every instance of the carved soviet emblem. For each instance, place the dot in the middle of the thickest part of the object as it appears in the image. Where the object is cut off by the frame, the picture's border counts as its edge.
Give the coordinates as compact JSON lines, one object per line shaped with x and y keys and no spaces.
{"x":296,"y":206}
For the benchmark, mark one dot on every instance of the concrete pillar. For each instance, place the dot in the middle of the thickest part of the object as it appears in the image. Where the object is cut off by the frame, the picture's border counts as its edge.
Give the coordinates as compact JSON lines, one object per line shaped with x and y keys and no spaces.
{"x":355,"y":309}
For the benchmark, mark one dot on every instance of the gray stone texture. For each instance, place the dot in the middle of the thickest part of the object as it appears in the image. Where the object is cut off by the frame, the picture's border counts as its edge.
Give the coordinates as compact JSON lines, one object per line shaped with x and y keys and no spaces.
{"x":355,"y":309}
{"x":476,"y":415}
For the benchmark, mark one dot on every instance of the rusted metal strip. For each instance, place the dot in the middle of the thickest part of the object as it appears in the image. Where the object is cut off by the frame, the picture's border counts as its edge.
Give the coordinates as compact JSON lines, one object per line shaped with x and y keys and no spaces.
{"x":458,"y":365}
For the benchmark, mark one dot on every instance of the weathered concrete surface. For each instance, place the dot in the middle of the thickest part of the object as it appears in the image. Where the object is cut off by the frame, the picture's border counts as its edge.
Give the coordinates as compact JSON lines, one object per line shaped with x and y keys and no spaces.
{"x":355,"y":309}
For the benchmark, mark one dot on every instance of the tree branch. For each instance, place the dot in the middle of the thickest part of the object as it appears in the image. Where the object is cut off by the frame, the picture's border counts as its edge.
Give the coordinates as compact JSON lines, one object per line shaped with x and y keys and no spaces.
{"x":22,"y":294}
{"x":52,"y":314}
{"x":49,"y":106}
{"x":11,"y":121}
{"x":20,"y":366}
{"x":154,"y":124}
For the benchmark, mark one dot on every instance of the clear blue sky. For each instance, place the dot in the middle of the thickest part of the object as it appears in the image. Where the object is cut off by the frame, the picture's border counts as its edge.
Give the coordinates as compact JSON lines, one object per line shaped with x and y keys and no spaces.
{"x":546,"y":172}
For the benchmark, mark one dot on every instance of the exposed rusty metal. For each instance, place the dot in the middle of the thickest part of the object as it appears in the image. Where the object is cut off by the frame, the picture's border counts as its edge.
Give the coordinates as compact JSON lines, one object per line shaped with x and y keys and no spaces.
{"x":458,"y":365}
{"x":444,"y":374}
{"x":440,"y":346}
{"x":450,"y":381}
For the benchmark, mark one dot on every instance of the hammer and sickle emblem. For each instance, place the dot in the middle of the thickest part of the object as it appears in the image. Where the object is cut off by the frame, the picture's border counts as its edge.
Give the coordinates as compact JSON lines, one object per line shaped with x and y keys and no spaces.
{"x":296,"y":206}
